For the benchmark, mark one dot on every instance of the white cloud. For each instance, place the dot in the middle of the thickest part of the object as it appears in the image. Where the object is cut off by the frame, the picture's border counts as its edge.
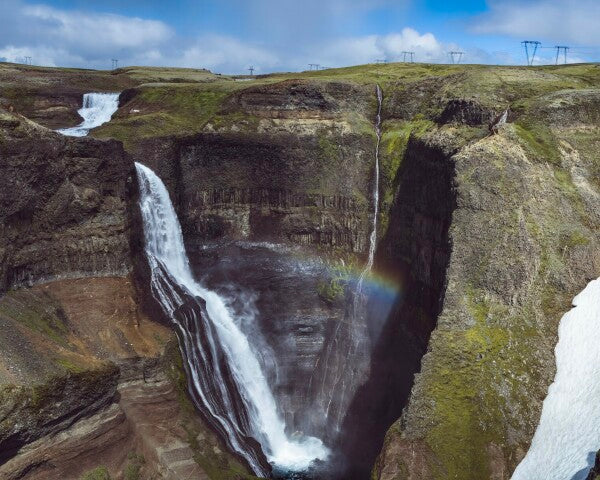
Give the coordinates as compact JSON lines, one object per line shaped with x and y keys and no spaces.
{"x":291,"y":35}
{"x":367,"y":49}
{"x":57,"y":37}
{"x":426,"y":46}
{"x":73,"y":38}
{"x":226,"y":54}
{"x":557,"y":21}
{"x":96,"y":31}
{"x":43,"y":55}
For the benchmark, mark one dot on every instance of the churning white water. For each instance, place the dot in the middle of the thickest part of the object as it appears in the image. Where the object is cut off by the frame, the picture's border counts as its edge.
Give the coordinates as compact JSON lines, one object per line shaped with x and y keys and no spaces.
{"x":568,"y":434}
{"x":166,"y":255}
{"x":97,"y":109}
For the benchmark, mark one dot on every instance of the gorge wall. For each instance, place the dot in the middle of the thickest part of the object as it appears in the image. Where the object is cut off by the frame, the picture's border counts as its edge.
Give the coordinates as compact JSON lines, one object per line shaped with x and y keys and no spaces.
{"x":64,"y":205}
{"x":291,"y":162}
{"x":484,"y":240}
{"x":413,"y":254}
{"x":267,"y":205}
{"x":88,"y":382}
{"x":524,"y":239}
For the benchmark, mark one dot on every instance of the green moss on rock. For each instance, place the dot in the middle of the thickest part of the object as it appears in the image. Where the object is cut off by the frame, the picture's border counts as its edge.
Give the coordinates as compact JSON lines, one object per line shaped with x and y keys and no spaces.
{"x":38,"y":312}
{"x":98,"y":473}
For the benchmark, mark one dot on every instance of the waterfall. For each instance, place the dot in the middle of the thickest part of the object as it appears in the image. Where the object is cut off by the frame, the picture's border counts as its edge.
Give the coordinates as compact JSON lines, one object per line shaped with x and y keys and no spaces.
{"x":568,"y":435}
{"x":373,"y":236}
{"x":225,"y":378}
{"x":97,"y":109}
{"x":346,"y":359}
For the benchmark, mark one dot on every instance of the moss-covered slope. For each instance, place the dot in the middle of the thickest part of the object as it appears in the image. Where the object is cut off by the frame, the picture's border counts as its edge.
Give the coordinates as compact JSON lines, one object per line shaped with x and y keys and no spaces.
{"x":525,"y":239}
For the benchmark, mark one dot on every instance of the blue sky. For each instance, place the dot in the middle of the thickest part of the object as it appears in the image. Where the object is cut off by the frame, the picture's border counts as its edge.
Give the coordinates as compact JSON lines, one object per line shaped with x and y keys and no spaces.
{"x":275,"y":35}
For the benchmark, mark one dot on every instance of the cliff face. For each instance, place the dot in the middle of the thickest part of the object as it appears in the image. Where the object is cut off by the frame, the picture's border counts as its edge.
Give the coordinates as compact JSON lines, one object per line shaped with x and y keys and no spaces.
{"x":89,"y":383}
{"x":525,"y":241}
{"x":484,"y":239}
{"x":482,"y":242}
{"x":413,"y":256}
{"x":275,"y":189}
{"x":63,"y":205}
{"x":286,"y":162}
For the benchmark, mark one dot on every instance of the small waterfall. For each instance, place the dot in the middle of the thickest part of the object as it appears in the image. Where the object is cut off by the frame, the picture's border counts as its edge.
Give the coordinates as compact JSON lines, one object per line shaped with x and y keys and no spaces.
{"x":97,"y":109}
{"x":225,"y":378}
{"x":346,"y":361}
{"x":373,"y":236}
{"x":568,"y":435}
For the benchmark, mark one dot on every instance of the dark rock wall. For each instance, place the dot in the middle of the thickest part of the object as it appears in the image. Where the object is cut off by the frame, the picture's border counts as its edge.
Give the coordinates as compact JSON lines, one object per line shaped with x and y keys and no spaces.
{"x":63,"y":205}
{"x":285,"y":163}
{"x":412,"y":256}
{"x":300,"y":173}
{"x":275,"y":188}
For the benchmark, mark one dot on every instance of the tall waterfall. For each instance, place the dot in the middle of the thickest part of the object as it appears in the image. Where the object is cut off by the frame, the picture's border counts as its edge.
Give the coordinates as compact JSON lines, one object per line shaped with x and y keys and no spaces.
{"x":225,"y":377}
{"x":97,"y":109}
{"x":373,"y":236}
{"x":346,"y":360}
{"x":568,"y":435}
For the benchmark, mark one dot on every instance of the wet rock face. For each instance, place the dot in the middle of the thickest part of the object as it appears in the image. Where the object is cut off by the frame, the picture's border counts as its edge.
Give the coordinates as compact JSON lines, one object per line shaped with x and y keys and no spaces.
{"x":63,"y":205}
{"x":304,"y":190}
{"x":273,"y":290}
{"x":235,"y":187}
{"x":413,"y":256}
{"x":594,"y":473}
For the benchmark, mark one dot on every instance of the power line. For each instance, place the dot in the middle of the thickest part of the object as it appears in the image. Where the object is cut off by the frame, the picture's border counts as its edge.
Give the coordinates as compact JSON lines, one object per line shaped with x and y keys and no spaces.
{"x":381,"y":60}
{"x":558,"y":49}
{"x":411,"y":54}
{"x":533,"y":43}
{"x":115,"y":63}
{"x":251,"y":70}
{"x":314,"y":66}
{"x":456,"y":57}
{"x":27,"y":60}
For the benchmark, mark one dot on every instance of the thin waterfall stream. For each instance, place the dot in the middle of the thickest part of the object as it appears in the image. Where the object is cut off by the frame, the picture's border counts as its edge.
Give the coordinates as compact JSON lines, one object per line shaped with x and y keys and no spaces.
{"x":373,"y":235}
{"x":346,"y":358}
{"x":226,"y":381}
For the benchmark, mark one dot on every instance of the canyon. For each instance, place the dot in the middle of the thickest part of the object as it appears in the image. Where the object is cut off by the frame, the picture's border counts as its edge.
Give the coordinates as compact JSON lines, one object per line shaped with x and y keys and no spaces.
{"x":433,"y":364}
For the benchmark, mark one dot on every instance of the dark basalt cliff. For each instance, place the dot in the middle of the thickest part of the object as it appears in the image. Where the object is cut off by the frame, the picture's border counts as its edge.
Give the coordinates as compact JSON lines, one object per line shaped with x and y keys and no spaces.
{"x":64,"y":205}
{"x":290,"y":162}
{"x":86,"y":382}
{"x":413,"y":253}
